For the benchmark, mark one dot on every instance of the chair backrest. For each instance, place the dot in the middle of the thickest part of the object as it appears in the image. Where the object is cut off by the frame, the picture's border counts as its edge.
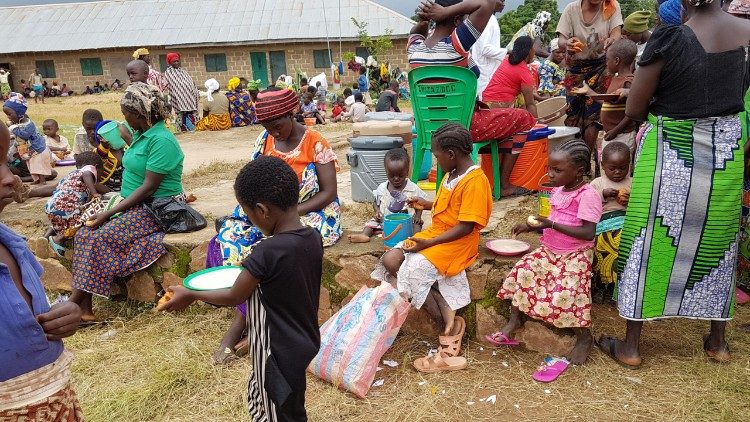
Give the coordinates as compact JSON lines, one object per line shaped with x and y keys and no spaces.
{"x":439,"y":95}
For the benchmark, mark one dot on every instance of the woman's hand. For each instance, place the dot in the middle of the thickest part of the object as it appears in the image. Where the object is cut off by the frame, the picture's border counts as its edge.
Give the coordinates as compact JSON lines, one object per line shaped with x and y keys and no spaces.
{"x":98,"y":220}
{"x":609,"y":41}
{"x":582,"y":90}
{"x":181,"y":299}
{"x":521,"y":228}
{"x":414,"y":245}
{"x":431,"y":11}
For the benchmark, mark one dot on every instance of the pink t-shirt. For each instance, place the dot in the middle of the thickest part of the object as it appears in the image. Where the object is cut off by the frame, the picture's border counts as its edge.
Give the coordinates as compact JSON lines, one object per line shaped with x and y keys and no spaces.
{"x":571,"y":209}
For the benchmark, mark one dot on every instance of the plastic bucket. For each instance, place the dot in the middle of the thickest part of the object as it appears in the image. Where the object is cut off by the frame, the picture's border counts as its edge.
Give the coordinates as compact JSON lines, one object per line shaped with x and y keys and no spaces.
{"x":111,"y":133}
{"x":310,"y":121}
{"x":396,"y":228}
{"x":545,"y":192}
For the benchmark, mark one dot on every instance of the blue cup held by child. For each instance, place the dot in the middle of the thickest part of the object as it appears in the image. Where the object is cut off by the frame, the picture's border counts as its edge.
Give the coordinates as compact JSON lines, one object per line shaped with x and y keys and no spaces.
{"x":396,"y":228}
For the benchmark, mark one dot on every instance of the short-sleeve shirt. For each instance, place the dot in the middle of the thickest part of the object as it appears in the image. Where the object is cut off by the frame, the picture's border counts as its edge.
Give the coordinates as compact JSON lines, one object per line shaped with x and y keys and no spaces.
{"x":507,"y":82}
{"x":383,"y":197}
{"x":453,"y":50}
{"x":289,"y":266}
{"x":603,"y":183}
{"x":388,"y":101}
{"x":572,"y":209}
{"x":81,"y":142}
{"x":313,"y":148}
{"x":571,"y":23}
{"x":309,"y":108}
{"x":54,"y":143}
{"x":682,"y":92}
{"x":157,"y":151}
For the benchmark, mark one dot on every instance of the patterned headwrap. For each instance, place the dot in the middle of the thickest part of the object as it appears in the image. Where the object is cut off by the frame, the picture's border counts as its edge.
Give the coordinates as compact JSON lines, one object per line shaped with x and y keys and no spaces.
{"x":637,"y":22}
{"x":140,"y":52}
{"x":670,"y":12}
{"x":145,"y":100}
{"x":212,"y":85}
{"x":739,"y":8}
{"x":541,"y":19}
{"x":275,"y":103}
{"x":609,"y":8}
{"x":172,"y":57}
{"x":233,"y":83}
{"x":253,"y":85}
{"x":17,"y":103}
{"x":554,"y":45}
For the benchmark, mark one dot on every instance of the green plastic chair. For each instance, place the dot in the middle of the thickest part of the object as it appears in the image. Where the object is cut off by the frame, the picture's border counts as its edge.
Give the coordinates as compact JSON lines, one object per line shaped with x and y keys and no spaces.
{"x":440,"y":95}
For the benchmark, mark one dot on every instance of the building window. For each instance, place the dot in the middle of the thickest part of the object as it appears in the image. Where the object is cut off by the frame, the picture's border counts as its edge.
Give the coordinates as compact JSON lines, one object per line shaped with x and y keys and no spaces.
{"x":46,"y":68}
{"x":216,"y":62}
{"x":163,"y":62}
{"x":322,"y":59}
{"x":90,"y":67}
{"x":362,"y":52}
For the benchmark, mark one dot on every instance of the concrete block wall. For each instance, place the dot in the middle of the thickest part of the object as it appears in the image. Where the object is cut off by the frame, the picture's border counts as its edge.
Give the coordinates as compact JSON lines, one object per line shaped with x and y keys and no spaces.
{"x":299,"y":56}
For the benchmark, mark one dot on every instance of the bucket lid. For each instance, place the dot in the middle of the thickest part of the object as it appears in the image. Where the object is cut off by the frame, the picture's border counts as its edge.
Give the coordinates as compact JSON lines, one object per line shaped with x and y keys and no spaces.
{"x":376,"y":143}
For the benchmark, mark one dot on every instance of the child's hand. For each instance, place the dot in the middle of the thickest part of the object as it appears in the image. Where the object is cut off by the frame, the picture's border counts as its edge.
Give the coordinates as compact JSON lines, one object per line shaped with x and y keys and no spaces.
{"x":413,"y":244}
{"x":62,"y":320}
{"x":623,"y":93}
{"x":583,"y":90}
{"x":542,"y":223}
{"x":418,"y":221}
{"x":419,"y":204}
{"x":609,"y":193}
{"x":181,"y":299}
{"x":611,"y":135}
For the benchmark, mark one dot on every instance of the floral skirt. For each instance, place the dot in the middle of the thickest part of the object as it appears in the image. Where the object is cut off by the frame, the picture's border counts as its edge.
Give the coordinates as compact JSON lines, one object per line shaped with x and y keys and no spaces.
{"x":120,"y":247}
{"x":214,"y":122}
{"x":552,"y":288}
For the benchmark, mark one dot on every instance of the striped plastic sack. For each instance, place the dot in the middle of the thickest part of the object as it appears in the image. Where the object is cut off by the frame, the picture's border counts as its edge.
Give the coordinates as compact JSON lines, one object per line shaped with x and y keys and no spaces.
{"x":354,"y":340}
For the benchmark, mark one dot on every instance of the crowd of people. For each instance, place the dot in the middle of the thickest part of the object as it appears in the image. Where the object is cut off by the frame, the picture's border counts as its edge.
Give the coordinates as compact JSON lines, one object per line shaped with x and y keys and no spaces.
{"x":661,"y":215}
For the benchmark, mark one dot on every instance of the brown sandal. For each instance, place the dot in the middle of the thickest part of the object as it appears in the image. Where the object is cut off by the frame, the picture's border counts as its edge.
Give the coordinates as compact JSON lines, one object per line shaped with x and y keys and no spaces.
{"x":450,"y":345}
{"x":438,"y":363}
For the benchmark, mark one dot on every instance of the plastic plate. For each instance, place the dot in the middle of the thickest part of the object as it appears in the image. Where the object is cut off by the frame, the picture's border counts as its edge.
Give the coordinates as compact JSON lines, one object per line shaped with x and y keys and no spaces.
{"x":212,"y":278}
{"x":508,"y":247}
{"x":65,"y":162}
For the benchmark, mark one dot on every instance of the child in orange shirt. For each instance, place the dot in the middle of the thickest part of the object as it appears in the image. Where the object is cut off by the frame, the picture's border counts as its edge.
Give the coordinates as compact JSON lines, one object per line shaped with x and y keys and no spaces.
{"x":441,"y":253}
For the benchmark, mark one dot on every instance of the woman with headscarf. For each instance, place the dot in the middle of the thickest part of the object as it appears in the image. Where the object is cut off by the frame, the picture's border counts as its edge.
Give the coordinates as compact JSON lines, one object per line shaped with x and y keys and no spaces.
{"x":155,"y":77}
{"x":215,"y":109}
{"x":313,"y":159}
{"x":679,"y":244}
{"x":241,"y":102}
{"x":586,"y":29}
{"x":635,"y":28}
{"x":182,"y":93}
{"x":128,"y":237}
{"x":534,"y":30}
{"x":670,"y":12}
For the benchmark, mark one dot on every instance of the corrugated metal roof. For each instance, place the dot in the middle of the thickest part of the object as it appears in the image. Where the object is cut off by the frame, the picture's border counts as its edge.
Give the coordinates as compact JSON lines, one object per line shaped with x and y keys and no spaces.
{"x":135,"y":23}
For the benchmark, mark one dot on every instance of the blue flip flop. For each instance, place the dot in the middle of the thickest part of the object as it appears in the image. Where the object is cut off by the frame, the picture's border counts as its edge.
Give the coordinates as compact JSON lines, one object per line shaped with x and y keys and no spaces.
{"x":59,"y":250}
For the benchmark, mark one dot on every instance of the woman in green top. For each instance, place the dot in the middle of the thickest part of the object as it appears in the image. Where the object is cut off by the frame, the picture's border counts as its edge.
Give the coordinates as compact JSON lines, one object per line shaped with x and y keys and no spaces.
{"x":110,"y":246}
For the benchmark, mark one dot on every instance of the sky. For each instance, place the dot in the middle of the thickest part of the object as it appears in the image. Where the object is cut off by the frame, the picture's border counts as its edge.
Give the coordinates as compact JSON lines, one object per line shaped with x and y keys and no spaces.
{"x":405,"y":7}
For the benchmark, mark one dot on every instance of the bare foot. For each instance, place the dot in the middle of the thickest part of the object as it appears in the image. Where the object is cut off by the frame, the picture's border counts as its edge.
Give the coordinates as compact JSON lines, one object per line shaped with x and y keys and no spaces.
{"x":618,"y":351}
{"x":88,"y":316}
{"x":359,"y":238}
{"x":581,"y":350}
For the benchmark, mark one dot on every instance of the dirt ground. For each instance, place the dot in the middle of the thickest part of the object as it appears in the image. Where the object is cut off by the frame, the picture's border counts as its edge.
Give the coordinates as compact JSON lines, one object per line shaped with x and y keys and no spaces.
{"x":141,"y":366}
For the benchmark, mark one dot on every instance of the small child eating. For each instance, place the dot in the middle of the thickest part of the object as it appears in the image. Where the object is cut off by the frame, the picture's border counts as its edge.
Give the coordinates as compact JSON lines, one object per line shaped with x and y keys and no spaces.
{"x":32,"y":148}
{"x":57,"y":144}
{"x":338,"y":108}
{"x":614,"y":186}
{"x":282,"y":328}
{"x":391,"y":196}
{"x":309,"y":109}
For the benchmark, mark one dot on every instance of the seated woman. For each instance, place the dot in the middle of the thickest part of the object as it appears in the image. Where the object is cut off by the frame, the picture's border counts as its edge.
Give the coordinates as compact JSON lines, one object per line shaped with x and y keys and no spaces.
{"x":108,"y":247}
{"x":241,"y":102}
{"x":312,"y":158}
{"x":449,"y":44}
{"x":215,"y":109}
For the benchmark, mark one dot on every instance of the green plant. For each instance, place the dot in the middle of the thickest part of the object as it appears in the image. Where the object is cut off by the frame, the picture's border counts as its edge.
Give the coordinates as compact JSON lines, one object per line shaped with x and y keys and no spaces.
{"x":376,"y":46}
{"x":349,"y":56}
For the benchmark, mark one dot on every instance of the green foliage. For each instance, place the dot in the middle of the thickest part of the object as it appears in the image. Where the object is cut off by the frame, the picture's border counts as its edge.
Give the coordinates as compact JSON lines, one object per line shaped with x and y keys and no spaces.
{"x":514,"y":20}
{"x":630,"y":6}
{"x":375,"y":45}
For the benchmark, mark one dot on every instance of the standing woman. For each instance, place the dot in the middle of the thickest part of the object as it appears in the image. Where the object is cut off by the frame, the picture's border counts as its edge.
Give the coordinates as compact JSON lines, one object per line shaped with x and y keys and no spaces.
{"x":679,"y":246}
{"x":595,"y":23}
{"x":534,"y":30}
{"x":110,"y":247}
{"x":182,"y":93}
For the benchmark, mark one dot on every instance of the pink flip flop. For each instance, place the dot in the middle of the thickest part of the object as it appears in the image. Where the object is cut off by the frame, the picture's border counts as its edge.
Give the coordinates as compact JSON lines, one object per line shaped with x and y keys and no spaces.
{"x":742,"y":297}
{"x":499,"y":339}
{"x":551,"y":369}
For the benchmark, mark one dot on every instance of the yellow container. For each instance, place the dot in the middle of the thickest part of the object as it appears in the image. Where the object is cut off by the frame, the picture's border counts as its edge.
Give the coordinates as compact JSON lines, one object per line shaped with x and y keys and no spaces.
{"x":545,"y":192}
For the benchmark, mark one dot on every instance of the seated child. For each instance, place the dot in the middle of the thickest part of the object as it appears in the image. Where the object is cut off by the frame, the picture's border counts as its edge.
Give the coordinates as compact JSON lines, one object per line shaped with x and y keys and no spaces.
{"x":309,"y":109}
{"x":88,"y":91}
{"x":553,"y":283}
{"x":19,"y":169}
{"x":338,"y":108}
{"x":320,"y":97}
{"x":356,"y":112}
{"x":429,"y":268}
{"x":348,"y":97}
{"x":56,"y":143}
{"x":388,"y":100}
{"x":288,"y":260}
{"x":614,"y":186}
{"x":391,"y":196}
{"x":32,"y":148}
{"x":65,"y":208}
{"x":84,"y":139}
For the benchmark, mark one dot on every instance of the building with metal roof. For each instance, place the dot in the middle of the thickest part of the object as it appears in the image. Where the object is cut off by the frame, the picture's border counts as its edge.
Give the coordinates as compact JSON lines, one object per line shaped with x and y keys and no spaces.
{"x":79,"y":43}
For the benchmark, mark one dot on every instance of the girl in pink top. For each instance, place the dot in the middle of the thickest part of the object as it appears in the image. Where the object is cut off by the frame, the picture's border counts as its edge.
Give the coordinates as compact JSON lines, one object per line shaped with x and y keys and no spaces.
{"x":553,"y":283}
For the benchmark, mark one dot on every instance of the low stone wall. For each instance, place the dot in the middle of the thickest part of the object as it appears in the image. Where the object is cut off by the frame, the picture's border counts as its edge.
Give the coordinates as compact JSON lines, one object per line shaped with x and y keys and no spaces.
{"x":346,"y":269}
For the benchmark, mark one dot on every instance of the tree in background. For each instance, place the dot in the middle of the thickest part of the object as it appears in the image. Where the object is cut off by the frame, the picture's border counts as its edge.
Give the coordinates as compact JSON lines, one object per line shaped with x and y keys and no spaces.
{"x":630,"y":6}
{"x":514,"y":20}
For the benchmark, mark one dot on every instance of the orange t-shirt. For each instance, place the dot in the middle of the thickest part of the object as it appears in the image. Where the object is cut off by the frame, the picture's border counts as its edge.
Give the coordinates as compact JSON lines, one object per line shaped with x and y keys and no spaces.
{"x":469,"y":201}
{"x":313,"y":148}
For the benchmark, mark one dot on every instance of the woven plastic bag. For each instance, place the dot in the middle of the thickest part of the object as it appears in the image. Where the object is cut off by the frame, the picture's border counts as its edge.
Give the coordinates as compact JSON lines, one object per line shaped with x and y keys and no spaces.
{"x":354,"y":340}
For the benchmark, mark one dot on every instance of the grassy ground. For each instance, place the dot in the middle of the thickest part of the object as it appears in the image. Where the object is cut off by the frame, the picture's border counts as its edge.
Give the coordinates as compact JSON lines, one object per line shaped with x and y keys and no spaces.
{"x":141,"y":366}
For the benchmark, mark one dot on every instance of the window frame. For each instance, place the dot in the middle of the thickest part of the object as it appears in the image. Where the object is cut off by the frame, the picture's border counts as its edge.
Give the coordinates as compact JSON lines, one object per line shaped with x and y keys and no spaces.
{"x":43,"y":65}
{"x":211,"y":64}
{"x":316,"y":58}
{"x":89,"y":61}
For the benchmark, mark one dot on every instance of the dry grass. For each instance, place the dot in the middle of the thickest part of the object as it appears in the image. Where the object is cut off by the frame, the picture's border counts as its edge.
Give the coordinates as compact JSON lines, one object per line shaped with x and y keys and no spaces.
{"x":208,"y":174}
{"x":69,"y":110}
{"x":157,"y":367}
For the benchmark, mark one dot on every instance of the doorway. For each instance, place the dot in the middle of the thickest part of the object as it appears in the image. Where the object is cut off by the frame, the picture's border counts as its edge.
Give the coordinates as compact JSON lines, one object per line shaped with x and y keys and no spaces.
{"x":278,"y":64}
{"x":259,"y":66}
